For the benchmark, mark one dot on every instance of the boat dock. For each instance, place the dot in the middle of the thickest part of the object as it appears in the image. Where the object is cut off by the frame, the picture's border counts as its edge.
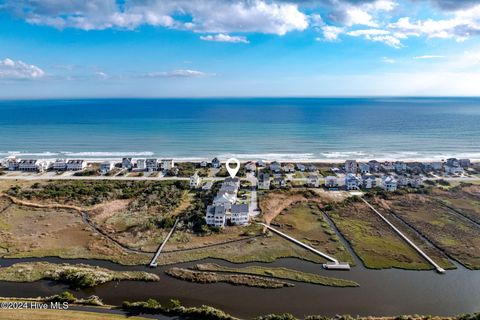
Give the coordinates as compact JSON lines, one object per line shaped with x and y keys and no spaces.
{"x":333,"y":264}
{"x":404,"y":237}
{"x":153,"y":263}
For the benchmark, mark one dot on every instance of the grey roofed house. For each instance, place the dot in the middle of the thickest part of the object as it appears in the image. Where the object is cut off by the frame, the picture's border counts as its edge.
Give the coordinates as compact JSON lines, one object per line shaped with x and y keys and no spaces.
{"x":261,"y":163}
{"x":231,"y":182}
{"x":239,"y":208}
{"x":228,"y":189}
{"x":127,"y":163}
{"x":216,"y":163}
{"x":300,"y":167}
{"x":275,"y":166}
{"x":311,"y":168}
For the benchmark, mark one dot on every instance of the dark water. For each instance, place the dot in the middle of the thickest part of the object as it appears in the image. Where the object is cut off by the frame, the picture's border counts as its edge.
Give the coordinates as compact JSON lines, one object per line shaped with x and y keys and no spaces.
{"x":248,"y":128}
{"x":381,"y":292}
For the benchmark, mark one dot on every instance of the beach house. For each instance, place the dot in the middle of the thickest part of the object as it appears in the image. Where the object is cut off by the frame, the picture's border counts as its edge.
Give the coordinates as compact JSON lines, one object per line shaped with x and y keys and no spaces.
{"x":331,"y":182}
{"x":364,"y":168}
{"x":263,"y":181}
{"x":465,"y":163}
{"x":216,"y":163}
{"x":279,"y":182}
{"x":300,"y":167}
{"x":151,"y":164}
{"x":289,"y":168}
{"x":167,"y":164}
{"x":260,"y":163}
{"x":195,"y":181}
{"x":33,"y":165}
{"x":416,"y":182}
{"x":454,"y":169}
{"x":351,"y":166}
{"x":313,"y":181}
{"x":250,"y":166}
{"x":275,"y":167}
{"x":76,"y":165}
{"x":141,"y":164}
{"x":203,"y":164}
{"x":127,"y":163}
{"x":106,"y":167}
{"x":374,"y":165}
{"x":389,"y":183}
{"x":400,"y":166}
{"x":216,"y":216}
{"x":239,"y":214}
{"x":352,"y":182}
{"x":369,"y":181}
{"x":12,"y":164}
{"x":60,"y":165}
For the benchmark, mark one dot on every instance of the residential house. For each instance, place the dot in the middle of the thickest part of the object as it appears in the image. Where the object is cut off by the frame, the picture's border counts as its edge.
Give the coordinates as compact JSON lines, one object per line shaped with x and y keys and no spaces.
{"x":151,"y":164}
{"x":313,"y":181}
{"x":264,"y":181}
{"x":225,"y":199}
{"x":235,"y":182}
{"x":311,"y":168}
{"x":465,"y":163}
{"x":331,"y":182}
{"x":32,"y":165}
{"x":60,"y":165}
{"x":239,"y":214}
{"x":374,"y":165}
{"x":76,"y":165}
{"x":250,"y":166}
{"x":387,"y":166}
{"x":279,"y":182}
{"x":400,"y":166}
{"x":168,"y":164}
{"x":351,"y":166}
{"x":389,"y":183}
{"x":203,"y":164}
{"x":275,"y":167}
{"x":414,"y":168}
{"x":352,"y":182}
{"x":12,"y":164}
{"x":402,"y":181}
{"x":454,"y":169}
{"x":141,"y":164}
{"x":195,"y":181}
{"x":416,"y":182}
{"x":364,"y":168}
{"x":369,"y":181}
{"x":453,"y":162}
{"x":289,"y":168}
{"x":106,"y":167}
{"x":435,"y":166}
{"x":301,"y":167}
{"x":127,"y":163}
{"x":216,"y":163}
{"x":260,"y":163}
{"x":216,"y":215}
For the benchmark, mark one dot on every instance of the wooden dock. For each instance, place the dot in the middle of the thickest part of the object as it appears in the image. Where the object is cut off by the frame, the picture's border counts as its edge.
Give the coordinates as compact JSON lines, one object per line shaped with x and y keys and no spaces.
{"x":153,"y":263}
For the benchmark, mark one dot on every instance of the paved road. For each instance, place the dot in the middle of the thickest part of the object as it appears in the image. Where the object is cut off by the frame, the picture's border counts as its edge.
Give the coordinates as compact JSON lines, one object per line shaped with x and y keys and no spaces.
{"x":253,"y":210}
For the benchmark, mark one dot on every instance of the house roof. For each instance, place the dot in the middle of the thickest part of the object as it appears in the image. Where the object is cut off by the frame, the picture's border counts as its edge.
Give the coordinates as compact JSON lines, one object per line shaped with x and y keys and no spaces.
{"x":239,"y":208}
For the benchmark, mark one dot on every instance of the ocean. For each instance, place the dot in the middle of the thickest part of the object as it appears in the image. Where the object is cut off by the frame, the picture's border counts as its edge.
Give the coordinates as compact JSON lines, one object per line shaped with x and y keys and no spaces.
{"x":248,"y":128}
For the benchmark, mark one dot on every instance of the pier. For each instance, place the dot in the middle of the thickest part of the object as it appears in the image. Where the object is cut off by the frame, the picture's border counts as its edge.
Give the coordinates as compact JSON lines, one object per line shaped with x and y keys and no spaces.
{"x":333,"y":264}
{"x":153,"y":263}
{"x":404,"y":237}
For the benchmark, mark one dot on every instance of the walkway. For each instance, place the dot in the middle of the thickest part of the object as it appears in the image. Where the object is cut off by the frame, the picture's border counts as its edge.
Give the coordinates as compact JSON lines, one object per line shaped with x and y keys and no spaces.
{"x":153,"y":263}
{"x":286,"y":236}
{"x":414,"y":246}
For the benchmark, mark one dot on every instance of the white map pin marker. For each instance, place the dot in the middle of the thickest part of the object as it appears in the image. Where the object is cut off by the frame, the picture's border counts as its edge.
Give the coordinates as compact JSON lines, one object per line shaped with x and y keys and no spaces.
{"x":233,"y":171}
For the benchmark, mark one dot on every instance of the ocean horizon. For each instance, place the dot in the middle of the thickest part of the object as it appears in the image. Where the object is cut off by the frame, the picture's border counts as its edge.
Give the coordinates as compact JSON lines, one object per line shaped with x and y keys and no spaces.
{"x":285,"y":129}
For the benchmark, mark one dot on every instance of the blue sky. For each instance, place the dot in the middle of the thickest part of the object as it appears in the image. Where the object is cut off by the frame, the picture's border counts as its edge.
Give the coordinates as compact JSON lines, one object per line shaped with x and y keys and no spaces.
{"x":204,"y":48}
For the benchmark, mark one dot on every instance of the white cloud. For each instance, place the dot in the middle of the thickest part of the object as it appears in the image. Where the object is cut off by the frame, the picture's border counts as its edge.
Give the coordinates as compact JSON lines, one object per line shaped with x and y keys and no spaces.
{"x":331,"y":33}
{"x":101,"y":75}
{"x":377,"y":35}
{"x":388,"y":60}
{"x":179,"y":73}
{"x":19,"y":70}
{"x":209,"y":16}
{"x":221,"y":37}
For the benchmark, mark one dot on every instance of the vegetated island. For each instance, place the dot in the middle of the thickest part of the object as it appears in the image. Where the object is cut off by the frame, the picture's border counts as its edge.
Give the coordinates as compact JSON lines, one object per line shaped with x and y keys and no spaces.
{"x":77,"y":276}
{"x":235,"y":279}
{"x":280,"y":273}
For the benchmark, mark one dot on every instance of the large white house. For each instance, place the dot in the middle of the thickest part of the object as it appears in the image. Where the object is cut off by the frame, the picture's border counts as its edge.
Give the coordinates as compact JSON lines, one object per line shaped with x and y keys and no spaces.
{"x":151,"y":164}
{"x":313,"y":181}
{"x":33,"y":165}
{"x":389,"y":183}
{"x":76,"y":165}
{"x":60,"y":165}
{"x":216,"y":215}
{"x":195,"y":181}
{"x":168,"y":164}
{"x":352,"y":182}
{"x":364,"y":168}
{"x":127,"y":163}
{"x":331,"y":182}
{"x":351,"y":166}
{"x":264,"y":181}
{"x":141,"y":164}
{"x":106,"y":167}
{"x":369,"y":181}
{"x":239,"y":214}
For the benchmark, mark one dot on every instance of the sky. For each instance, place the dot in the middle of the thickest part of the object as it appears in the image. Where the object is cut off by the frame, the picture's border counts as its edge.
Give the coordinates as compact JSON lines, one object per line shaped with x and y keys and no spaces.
{"x":238,"y":48}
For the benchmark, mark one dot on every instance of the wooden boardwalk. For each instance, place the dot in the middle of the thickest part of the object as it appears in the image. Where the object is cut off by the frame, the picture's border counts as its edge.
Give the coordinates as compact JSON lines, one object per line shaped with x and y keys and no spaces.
{"x":153,"y":263}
